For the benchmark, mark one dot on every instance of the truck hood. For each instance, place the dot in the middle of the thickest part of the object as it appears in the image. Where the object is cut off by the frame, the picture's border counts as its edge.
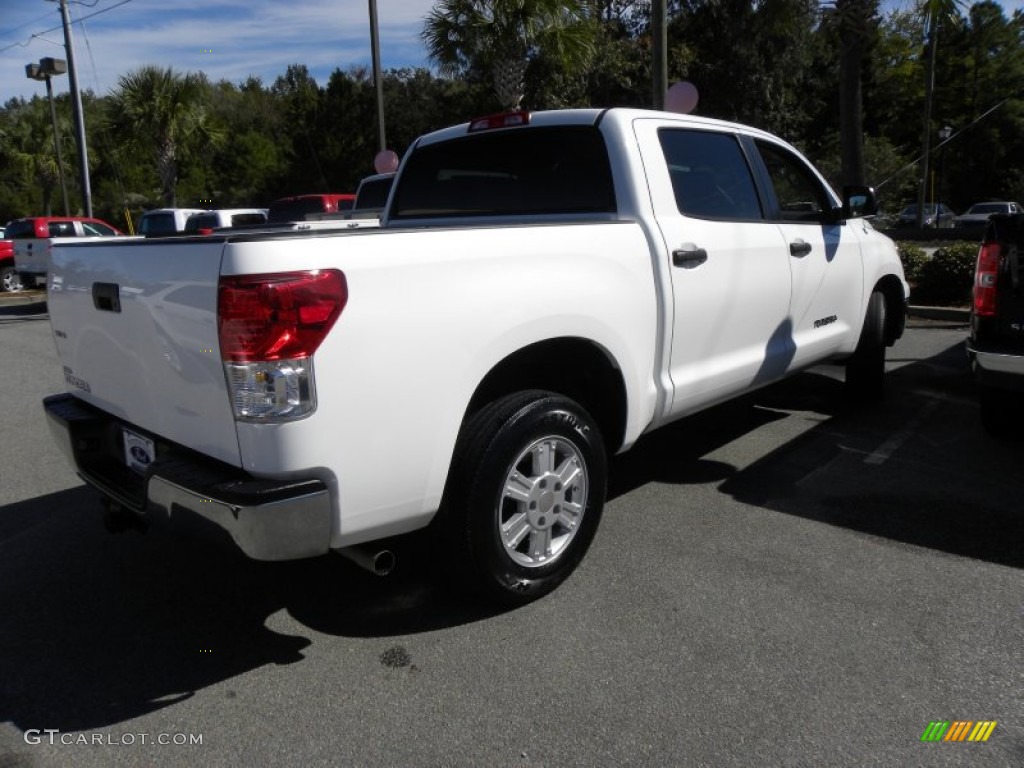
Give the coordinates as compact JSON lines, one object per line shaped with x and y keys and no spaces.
{"x":135,"y":325}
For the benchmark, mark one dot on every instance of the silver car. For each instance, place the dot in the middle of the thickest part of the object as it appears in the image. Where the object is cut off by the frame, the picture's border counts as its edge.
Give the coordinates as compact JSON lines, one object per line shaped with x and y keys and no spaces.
{"x":977,"y":216}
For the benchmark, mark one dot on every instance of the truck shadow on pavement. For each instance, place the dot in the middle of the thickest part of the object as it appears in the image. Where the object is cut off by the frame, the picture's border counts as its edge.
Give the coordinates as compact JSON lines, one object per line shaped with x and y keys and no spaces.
{"x":916,"y":469}
{"x":22,"y":308}
{"x":100,"y":628}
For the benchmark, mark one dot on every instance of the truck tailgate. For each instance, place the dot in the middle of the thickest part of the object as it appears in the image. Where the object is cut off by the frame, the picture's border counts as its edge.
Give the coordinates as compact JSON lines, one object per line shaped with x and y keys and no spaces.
{"x":135,"y":325}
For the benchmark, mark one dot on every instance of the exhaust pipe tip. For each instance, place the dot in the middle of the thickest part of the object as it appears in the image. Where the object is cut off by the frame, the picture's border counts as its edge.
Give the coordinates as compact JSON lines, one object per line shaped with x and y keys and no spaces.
{"x":377,"y":561}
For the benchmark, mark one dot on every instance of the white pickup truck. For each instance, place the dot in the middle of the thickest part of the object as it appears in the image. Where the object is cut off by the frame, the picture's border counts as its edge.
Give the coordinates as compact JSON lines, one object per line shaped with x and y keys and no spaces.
{"x":543,"y":289}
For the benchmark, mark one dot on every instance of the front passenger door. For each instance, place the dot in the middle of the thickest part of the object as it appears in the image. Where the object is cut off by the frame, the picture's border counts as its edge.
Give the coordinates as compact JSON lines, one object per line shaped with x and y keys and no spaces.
{"x":824,"y":254}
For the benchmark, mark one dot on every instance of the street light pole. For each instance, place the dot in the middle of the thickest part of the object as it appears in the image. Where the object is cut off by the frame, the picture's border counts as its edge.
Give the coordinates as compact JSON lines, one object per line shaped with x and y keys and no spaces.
{"x":76,"y":103}
{"x":659,"y":52}
{"x":56,"y":146}
{"x":377,"y":79}
{"x":43,"y":71}
{"x":944,"y":134}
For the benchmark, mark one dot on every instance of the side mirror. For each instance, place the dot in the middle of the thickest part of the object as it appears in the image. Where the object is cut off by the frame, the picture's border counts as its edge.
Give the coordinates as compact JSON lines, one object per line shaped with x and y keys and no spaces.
{"x":859,"y":201}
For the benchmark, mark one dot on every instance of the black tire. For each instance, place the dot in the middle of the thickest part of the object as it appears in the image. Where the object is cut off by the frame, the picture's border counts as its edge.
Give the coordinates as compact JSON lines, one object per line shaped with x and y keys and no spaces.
{"x":9,"y":280}
{"x":865,"y":370}
{"x":531,"y":441}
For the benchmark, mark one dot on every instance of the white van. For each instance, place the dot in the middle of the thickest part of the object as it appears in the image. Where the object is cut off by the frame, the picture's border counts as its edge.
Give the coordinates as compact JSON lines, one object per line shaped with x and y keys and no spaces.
{"x":165,"y":221}
{"x":229,"y":217}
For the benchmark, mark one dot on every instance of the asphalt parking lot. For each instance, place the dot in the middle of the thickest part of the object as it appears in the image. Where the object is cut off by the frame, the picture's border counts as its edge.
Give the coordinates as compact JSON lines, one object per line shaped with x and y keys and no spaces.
{"x":789,"y":579}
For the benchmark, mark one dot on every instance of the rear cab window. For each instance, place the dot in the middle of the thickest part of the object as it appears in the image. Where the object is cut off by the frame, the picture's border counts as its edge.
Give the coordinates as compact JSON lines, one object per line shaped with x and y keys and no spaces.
{"x":158,"y":224}
{"x":556,"y":170}
{"x":198,"y":221}
{"x":295,"y":210}
{"x":20,"y":229}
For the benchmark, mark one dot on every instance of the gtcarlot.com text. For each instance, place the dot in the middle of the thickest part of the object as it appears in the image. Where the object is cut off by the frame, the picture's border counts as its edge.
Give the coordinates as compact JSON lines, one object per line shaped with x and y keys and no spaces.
{"x":54,"y":737}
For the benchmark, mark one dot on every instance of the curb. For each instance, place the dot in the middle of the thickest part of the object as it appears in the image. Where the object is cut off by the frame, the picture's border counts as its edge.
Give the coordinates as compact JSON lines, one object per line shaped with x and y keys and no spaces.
{"x":23,"y":297}
{"x":956,"y":314}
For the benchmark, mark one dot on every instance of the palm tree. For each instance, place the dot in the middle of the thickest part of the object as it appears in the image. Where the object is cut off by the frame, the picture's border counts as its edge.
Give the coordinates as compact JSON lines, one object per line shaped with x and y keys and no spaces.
{"x":501,"y":37}
{"x":160,"y":112}
{"x":27,"y":150}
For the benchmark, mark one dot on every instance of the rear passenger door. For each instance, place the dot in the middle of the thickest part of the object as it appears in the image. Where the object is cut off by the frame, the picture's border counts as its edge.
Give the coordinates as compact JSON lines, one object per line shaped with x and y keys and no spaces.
{"x":824,"y":253}
{"x":729,"y":265}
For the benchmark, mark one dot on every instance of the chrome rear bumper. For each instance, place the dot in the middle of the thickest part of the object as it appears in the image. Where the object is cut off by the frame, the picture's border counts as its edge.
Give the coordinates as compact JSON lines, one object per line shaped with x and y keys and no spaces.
{"x":266,"y":519}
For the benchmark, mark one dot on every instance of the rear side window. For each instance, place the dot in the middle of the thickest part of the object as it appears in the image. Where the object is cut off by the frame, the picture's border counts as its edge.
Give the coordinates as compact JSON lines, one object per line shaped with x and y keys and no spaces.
{"x":710,"y":175}
{"x":523,"y":171}
{"x":373,"y":194}
{"x":61,"y":229}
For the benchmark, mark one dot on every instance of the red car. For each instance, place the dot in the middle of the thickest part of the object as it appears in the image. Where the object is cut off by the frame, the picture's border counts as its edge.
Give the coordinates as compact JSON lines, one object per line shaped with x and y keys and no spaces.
{"x":298,"y":207}
{"x":36,"y":228}
{"x":8,"y":274}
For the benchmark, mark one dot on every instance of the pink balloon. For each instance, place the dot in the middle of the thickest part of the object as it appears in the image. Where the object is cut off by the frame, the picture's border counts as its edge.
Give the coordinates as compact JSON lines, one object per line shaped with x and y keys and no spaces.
{"x":386,"y":161}
{"x":681,"y":98}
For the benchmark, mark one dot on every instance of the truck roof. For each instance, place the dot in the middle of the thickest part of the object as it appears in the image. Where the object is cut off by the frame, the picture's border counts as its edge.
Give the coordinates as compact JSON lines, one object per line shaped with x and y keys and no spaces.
{"x":591,"y":116}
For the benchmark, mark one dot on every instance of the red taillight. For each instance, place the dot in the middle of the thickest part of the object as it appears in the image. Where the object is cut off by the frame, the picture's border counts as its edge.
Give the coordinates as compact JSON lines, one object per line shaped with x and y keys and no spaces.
{"x":985,"y":272}
{"x":502,"y":120}
{"x":277,"y":316}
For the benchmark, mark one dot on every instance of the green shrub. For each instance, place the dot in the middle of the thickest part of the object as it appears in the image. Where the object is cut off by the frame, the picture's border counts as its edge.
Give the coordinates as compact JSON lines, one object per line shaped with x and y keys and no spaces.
{"x":947,"y":277}
{"x":913,"y":258}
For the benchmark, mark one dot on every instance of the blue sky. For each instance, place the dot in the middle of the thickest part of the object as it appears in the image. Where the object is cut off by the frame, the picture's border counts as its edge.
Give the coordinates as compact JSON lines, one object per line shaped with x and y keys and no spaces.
{"x":227,"y":39}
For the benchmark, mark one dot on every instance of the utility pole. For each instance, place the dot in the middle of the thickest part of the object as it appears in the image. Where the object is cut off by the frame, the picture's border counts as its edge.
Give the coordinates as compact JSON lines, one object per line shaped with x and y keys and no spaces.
{"x":659,"y":49}
{"x":76,"y":104}
{"x":378,"y":81}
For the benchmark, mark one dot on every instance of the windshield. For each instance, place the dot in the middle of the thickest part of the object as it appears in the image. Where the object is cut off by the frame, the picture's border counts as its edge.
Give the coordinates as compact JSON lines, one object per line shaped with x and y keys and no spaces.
{"x":988,"y":208}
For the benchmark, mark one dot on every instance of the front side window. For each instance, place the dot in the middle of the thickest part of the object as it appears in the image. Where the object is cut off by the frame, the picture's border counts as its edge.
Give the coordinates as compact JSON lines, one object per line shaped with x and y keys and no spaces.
{"x":561,"y":170}
{"x":94,"y":228}
{"x":710,"y":175}
{"x":799,"y":193}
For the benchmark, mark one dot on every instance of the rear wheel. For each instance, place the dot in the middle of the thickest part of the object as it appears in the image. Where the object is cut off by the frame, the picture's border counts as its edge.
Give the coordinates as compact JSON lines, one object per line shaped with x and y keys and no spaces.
{"x":525,"y":495}
{"x":9,"y":280}
{"x":865,"y":370}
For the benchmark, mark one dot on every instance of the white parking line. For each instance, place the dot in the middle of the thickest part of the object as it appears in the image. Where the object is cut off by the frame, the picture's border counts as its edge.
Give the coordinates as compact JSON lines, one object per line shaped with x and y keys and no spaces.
{"x":890,"y":446}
